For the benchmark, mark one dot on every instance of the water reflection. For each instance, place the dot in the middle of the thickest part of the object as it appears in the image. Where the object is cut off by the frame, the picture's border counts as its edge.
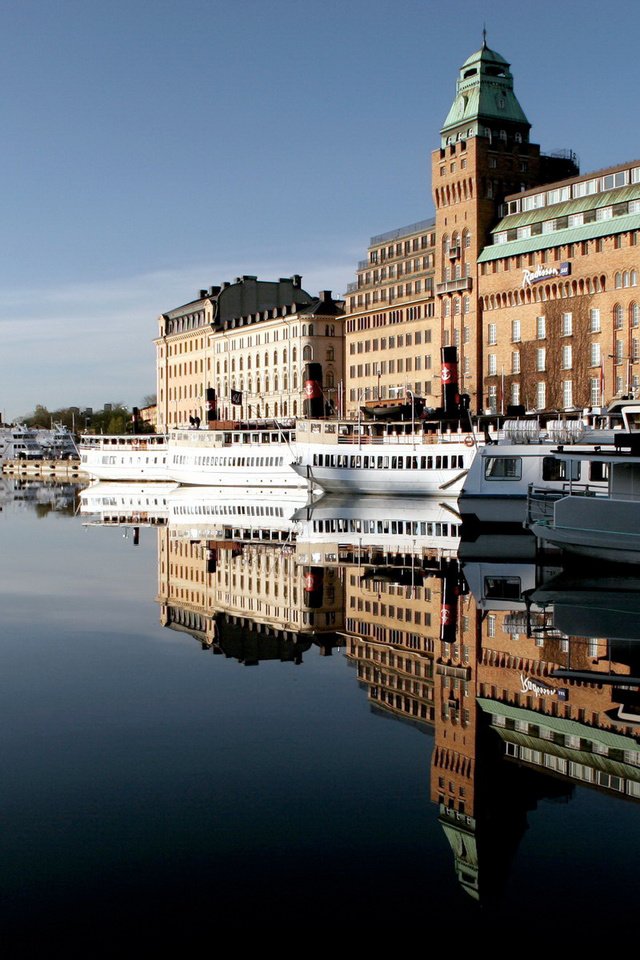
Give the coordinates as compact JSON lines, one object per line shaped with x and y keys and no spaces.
{"x":525,"y":675}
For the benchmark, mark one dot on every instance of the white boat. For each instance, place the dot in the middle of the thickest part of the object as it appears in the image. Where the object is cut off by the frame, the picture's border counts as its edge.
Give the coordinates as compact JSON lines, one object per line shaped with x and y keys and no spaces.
{"x":124,"y":457}
{"x":58,"y":443}
{"x":600,"y":524}
{"x":495,"y":488}
{"x":408,"y":458}
{"x":234,"y":454}
{"x":18,"y":442}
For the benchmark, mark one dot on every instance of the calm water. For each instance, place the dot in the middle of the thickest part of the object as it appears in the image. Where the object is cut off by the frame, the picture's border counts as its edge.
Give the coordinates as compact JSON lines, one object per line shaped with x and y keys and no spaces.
{"x":176,"y":763}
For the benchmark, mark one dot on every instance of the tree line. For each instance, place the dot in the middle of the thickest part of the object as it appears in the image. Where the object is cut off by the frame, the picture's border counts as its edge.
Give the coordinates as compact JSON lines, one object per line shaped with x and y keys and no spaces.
{"x":114,"y":418}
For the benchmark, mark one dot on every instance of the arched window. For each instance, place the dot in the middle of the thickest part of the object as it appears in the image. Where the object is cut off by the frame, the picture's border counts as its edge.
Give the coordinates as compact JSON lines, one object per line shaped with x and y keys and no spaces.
{"x":295,"y":379}
{"x":266,"y":359}
{"x":617,"y":316}
{"x":294,"y":354}
{"x":284,"y":356}
{"x":275,"y":383}
{"x":330,"y":353}
{"x":295,"y":408}
{"x":275,"y":358}
{"x":330,"y":379}
{"x":307,"y":353}
{"x":257,"y":360}
{"x":310,"y":329}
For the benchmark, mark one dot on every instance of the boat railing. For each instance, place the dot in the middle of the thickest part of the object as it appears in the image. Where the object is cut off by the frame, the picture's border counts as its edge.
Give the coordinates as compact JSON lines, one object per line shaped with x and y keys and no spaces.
{"x":541,"y":501}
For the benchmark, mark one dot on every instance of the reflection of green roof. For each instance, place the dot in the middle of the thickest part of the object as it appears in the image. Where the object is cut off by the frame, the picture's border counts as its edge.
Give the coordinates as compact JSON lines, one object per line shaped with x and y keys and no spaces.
{"x":561,"y":725}
{"x":484,"y":97}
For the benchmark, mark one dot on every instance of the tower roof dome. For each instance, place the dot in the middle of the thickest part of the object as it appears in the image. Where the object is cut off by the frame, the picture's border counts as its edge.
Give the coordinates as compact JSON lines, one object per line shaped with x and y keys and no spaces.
{"x":485,"y":99}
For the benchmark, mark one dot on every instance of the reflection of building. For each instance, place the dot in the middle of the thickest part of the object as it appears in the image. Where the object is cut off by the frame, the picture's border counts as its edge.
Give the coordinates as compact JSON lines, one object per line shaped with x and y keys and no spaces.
{"x":248,"y":601}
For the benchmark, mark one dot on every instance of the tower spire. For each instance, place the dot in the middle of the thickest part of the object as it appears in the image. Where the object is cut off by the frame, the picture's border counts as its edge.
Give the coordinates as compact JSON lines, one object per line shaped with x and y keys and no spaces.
{"x":484,"y":36}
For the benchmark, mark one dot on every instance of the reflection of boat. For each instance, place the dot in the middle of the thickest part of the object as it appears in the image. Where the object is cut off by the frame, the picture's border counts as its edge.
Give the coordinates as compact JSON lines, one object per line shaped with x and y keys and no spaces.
{"x":130,"y":504}
{"x":593,"y":604}
{"x":336,"y":528}
{"x":124,"y":457}
{"x":240,"y":515}
{"x":600,"y":524}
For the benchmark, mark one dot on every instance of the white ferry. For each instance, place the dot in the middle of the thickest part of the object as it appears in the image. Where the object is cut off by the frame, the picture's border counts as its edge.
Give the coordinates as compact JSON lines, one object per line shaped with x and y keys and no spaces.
{"x":258,"y":454}
{"x":407,"y":458}
{"x":124,"y":457}
{"x":595,"y":524}
{"x":525,"y":453}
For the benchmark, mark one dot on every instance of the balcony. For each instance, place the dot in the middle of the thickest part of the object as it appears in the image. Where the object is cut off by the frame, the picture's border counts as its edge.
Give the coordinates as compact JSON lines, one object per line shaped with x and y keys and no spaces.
{"x":454,"y":286}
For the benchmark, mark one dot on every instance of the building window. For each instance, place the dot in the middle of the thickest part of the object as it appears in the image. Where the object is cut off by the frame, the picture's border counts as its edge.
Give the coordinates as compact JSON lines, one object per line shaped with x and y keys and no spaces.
{"x":492,"y":334}
{"x":492,"y":365}
{"x":594,"y":320}
{"x":567,"y":357}
{"x":567,"y":324}
{"x":541,"y":359}
{"x":594,"y":392}
{"x":567,"y":393}
{"x":595,"y":354}
{"x":618,"y":317}
{"x":515,"y":393}
{"x":515,"y":361}
{"x":541,"y":395}
{"x":515,"y":331}
{"x":541,"y":328}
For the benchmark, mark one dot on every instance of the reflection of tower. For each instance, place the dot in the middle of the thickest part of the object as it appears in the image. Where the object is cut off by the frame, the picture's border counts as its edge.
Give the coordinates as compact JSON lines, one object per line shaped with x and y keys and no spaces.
{"x":454,"y":754}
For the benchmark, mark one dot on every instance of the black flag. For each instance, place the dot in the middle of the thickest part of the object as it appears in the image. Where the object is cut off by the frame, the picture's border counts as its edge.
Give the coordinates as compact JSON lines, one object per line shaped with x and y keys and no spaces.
{"x":236,"y":397}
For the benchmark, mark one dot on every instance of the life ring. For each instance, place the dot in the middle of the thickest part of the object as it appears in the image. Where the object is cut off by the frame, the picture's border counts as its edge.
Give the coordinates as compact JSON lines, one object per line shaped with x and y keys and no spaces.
{"x":469,"y":442}
{"x":134,"y":443}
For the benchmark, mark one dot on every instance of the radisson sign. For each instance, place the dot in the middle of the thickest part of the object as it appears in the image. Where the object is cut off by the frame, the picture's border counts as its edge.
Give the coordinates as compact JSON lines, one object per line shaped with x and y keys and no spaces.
{"x":529,"y":277}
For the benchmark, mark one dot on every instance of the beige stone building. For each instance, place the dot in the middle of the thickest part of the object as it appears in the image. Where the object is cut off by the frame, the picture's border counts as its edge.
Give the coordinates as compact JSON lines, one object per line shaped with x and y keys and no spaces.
{"x":242,"y":349}
{"x":389,"y":327}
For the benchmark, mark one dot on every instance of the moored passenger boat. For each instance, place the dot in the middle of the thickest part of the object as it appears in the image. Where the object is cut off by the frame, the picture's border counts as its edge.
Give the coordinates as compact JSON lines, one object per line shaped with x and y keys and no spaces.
{"x":236,"y":454}
{"x":124,"y":456}
{"x":598,"y":524}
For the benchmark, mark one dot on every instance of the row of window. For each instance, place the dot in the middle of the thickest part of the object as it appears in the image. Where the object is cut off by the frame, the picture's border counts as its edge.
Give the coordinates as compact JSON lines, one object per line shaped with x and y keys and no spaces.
{"x":568,"y":222}
{"x":566,"y":323}
{"x":574,"y":191}
{"x":358,"y":461}
{"x":384,"y":367}
{"x":391,"y":342}
{"x":402,"y":248}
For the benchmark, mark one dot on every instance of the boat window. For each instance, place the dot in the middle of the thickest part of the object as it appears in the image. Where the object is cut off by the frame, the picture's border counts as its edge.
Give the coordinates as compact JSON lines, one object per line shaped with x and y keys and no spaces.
{"x":554,"y":469}
{"x":503,"y":468}
{"x":502,"y":588}
{"x":598,"y":470}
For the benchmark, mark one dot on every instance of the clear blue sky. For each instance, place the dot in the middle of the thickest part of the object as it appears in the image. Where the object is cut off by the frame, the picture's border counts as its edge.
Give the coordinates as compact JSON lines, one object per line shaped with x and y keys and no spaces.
{"x":153,"y":148}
